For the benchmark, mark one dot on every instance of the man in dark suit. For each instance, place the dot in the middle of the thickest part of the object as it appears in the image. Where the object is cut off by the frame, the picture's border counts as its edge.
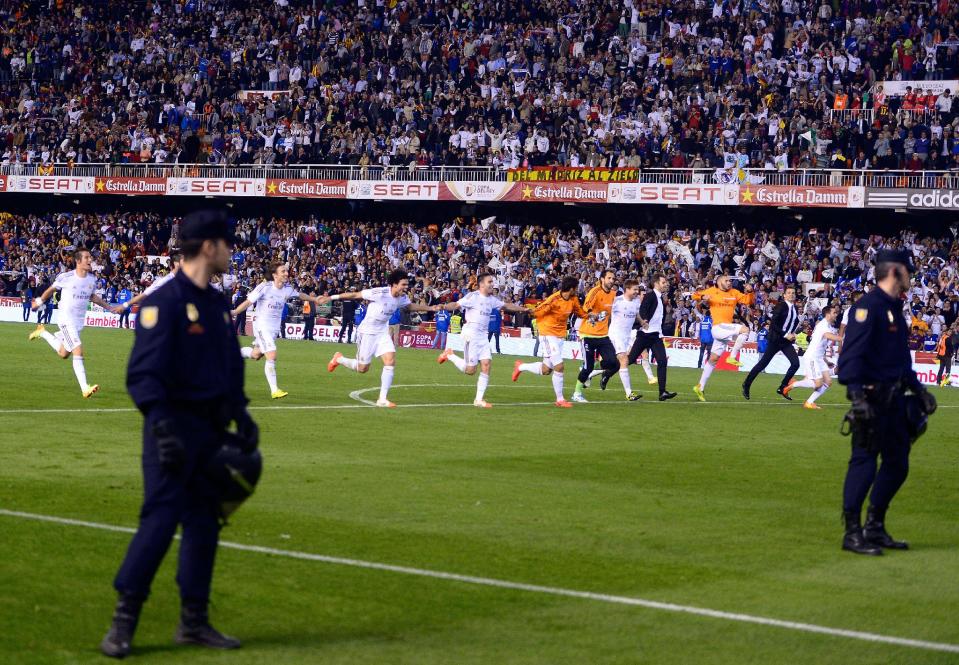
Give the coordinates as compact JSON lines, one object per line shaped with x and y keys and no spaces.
{"x":650,"y":336}
{"x":782,"y":334}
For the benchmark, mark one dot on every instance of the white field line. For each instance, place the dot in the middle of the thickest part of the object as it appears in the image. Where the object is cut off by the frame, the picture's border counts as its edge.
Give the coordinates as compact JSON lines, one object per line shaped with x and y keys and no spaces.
{"x":532,"y":588}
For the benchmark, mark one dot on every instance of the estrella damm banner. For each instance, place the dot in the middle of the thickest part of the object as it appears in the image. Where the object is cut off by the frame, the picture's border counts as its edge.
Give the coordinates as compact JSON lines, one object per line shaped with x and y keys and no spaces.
{"x":568,"y":173}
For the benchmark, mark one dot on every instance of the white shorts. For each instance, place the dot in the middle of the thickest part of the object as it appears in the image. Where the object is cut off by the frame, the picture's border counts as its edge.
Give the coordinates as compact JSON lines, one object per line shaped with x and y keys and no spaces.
{"x":373,"y":345}
{"x":815,"y":368}
{"x":722,"y":333}
{"x":476,"y":349}
{"x":69,"y":335}
{"x":551,"y":350}
{"x":265,"y":339}
{"x":621,"y":343}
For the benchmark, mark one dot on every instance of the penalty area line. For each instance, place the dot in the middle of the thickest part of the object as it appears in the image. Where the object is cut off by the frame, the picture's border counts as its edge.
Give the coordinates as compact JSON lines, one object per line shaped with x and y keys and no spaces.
{"x":531,"y":588}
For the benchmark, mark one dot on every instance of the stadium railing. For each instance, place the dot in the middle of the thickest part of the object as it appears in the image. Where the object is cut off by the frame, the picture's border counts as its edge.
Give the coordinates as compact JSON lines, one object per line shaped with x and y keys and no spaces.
{"x":875,"y":178}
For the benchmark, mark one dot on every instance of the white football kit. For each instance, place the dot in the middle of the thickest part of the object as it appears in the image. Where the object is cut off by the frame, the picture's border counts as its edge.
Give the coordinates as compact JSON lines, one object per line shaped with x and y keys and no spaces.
{"x":75,"y":293}
{"x":814,"y":360}
{"x":621,"y":323}
{"x":477,"y":309}
{"x":269,"y":302}
{"x":373,"y":335}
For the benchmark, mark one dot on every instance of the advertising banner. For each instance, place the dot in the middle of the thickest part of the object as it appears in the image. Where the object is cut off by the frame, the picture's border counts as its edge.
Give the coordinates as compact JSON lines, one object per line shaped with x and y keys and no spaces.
{"x":417,"y":339}
{"x":679,"y":194}
{"x":125,"y":185}
{"x":801,"y":197}
{"x":915,"y":199}
{"x":386,"y":190}
{"x":216,"y":187}
{"x":472,"y":191}
{"x":583,"y":192}
{"x":306,"y":189}
{"x":573,"y":174}
{"x":898,"y":88}
{"x":50,"y":184}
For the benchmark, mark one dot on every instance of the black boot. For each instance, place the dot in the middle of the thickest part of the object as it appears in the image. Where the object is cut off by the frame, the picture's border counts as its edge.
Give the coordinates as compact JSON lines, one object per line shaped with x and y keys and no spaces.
{"x":117,"y":642}
{"x":854,"y":541}
{"x":195,"y":628}
{"x":875,"y":531}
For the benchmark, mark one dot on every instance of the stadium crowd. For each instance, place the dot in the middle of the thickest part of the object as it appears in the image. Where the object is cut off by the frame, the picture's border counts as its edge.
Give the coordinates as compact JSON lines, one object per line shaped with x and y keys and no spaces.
{"x":634,"y":83}
{"x":332,"y":256}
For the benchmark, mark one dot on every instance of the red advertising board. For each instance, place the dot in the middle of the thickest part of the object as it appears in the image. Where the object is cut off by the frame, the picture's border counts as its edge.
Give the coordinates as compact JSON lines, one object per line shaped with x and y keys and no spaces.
{"x":125,"y":185}
{"x":805,"y":197}
{"x":568,"y":192}
{"x":306,"y":189}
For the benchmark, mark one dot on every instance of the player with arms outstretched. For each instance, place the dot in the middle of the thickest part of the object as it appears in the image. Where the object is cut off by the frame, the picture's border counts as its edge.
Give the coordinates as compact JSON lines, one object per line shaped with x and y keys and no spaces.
{"x":76,"y":291}
{"x":270,"y":298}
{"x":722,"y":300}
{"x":816,"y":372}
{"x":625,"y":313}
{"x":479,"y":306}
{"x":373,"y":336}
{"x":552,"y":316}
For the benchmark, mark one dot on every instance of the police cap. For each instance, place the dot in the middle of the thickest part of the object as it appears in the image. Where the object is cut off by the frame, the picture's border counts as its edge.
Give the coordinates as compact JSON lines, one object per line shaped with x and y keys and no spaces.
{"x":206,"y":225}
{"x":896,"y":256}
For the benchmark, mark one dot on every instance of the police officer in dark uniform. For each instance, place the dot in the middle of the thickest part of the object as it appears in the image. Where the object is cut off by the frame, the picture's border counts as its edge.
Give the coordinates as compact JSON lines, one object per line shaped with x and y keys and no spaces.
{"x":889,"y":404}
{"x":186,"y":377}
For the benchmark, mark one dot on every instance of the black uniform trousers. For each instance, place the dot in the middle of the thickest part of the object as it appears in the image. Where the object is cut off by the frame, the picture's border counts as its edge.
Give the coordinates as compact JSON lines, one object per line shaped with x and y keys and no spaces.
{"x":607,"y":352}
{"x":781,"y":345}
{"x":125,"y":318}
{"x":241,"y":324}
{"x":172,"y":499}
{"x":654,"y":343}
{"x":945,"y":367}
{"x":347,"y":328}
{"x":308,"y":322}
{"x":887,"y":439}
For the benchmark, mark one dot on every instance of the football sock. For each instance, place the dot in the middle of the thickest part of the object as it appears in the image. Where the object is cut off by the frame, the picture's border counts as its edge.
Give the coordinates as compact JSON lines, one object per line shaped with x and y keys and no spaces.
{"x":51,"y":340}
{"x":647,"y":368}
{"x":80,"y":371}
{"x":627,"y":383}
{"x":348,"y":363}
{"x":270,"y":370}
{"x":532,"y":368}
{"x":740,"y":340}
{"x":817,"y":394}
{"x":579,"y":388}
{"x":246,"y":351}
{"x":386,"y":380}
{"x":558,"y":385}
{"x":707,"y":370}
{"x":481,"y":383}
{"x":460,"y":363}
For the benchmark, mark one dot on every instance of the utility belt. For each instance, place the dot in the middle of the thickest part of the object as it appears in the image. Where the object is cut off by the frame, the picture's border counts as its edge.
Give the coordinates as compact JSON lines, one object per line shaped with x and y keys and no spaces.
{"x":216,"y":411}
{"x":882,"y":395}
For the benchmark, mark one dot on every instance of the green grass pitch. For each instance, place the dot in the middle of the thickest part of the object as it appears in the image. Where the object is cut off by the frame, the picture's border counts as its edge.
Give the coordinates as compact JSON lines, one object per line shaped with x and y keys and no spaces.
{"x":729,"y":506}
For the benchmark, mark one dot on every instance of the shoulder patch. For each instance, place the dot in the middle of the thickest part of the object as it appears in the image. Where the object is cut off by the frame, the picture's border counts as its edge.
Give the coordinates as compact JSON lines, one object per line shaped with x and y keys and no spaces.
{"x":861,"y":314}
{"x":148,"y":317}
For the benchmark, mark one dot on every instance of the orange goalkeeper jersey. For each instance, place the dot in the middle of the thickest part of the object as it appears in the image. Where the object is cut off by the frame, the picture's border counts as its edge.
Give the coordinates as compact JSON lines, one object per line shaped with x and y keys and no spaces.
{"x":597,"y":302}
{"x":722,"y":304}
{"x":552,"y":314}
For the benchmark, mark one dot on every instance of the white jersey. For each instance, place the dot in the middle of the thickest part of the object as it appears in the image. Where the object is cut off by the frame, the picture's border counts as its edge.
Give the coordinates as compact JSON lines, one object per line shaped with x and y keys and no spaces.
{"x":157,"y":283}
{"x":478,"y":310}
{"x":75,"y":292}
{"x":623,"y":317}
{"x":270,"y":302}
{"x":818,"y":342}
{"x":382,"y":307}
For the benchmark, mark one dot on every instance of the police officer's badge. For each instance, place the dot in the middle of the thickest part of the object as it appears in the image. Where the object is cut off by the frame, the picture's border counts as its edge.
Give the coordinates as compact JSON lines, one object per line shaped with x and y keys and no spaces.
{"x":148,"y":317}
{"x":891,"y":318}
{"x":861,"y":315}
{"x":192,"y":313}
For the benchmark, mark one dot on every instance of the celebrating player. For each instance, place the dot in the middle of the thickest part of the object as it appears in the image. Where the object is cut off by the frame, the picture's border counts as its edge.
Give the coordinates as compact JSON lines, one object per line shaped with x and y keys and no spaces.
{"x":551,"y":316}
{"x":817,"y":374}
{"x":76,"y":290}
{"x":270,"y":298}
{"x":722,"y":300}
{"x":373,"y":336}
{"x":594,"y":332}
{"x":625,"y":311}
{"x":479,"y":306}
{"x":157,"y":283}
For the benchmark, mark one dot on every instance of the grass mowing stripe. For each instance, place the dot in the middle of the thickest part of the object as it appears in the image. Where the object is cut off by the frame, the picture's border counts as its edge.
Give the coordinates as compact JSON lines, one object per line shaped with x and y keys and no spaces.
{"x":531,"y":588}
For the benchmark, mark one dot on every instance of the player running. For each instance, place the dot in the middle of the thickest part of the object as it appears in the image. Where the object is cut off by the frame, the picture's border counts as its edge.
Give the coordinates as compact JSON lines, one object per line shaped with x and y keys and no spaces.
{"x":552,"y":316}
{"x":625,"y":312}
{"x":594,"y":333}
{"x":722,"y":300}
{"x":478,"y":307}
{"x":816,"y":372}
{"x":270,"y":298}
{"x":373,"y":336}
{"x":76,"y":291}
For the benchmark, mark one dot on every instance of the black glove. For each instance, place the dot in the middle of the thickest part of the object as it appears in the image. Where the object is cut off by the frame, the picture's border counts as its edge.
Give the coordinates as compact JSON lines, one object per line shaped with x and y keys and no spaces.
{"x":928,"y":401}
{"x":170,"y":446}
{"x":247,"y":432}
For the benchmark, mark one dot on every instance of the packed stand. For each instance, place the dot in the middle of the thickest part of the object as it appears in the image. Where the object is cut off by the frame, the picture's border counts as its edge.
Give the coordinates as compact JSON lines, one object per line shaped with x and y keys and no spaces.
{"x":332,"y":256}
{"x":640,"y":83}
